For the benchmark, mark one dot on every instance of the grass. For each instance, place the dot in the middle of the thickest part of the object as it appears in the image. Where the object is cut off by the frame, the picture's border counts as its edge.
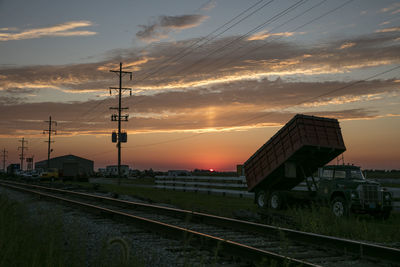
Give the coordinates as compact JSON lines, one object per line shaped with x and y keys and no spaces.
{"x":41,"y":242}
{"x":357,"y":227}
{"x":223,"y":206}
{"x":218,"y":205}
{"x":139,"y":181}
{"x":24,"y":243}
{"x":311,"y":219}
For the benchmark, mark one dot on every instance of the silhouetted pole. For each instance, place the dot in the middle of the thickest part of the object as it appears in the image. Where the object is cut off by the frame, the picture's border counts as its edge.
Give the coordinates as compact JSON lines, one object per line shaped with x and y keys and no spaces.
{"x":21,"y":156}
{"x":49,"y":131}
{"x":119,"y":117}
{"x":4,"y":159}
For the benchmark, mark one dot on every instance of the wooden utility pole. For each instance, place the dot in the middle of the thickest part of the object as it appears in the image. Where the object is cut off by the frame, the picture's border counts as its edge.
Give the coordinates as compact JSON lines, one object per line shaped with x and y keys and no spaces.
{"x":21,"y":156}
{"x":49,"y":131}
{"x":120,"y":137}
{"x":4,"y":159}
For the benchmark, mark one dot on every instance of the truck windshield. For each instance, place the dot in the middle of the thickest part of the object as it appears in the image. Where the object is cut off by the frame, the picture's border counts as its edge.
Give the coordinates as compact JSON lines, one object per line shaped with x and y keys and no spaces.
{"x":356,"y":174}
{"x":327,"y":174}
{"x":340,"y":174}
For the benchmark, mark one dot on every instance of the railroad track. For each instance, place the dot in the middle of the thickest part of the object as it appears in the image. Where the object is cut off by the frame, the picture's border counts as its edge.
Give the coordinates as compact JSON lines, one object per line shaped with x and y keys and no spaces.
{"x":242,"y":241}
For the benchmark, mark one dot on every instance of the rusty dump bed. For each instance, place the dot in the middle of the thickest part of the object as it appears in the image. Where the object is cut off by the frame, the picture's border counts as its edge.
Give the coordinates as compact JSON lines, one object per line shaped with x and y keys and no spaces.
{"x":296,"y":151}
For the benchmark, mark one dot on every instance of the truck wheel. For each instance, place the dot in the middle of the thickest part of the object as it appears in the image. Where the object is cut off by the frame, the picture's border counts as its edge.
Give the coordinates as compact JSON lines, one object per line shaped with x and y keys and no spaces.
{"x":275,"y":201}
{"x":339,"y":207}
{"x":261,"y":199}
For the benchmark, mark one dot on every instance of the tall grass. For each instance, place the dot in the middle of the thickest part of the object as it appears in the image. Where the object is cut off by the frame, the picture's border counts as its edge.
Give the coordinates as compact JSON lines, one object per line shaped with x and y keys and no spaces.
{"x":320,"y":220}
{"x":24,"y":244}
{"x":40,"y":241}
{"x":219,"y":205}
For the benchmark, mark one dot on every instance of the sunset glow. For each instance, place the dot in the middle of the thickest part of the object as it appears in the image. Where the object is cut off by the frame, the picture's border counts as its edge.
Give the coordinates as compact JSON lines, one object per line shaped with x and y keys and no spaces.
{"x":200,"y":99}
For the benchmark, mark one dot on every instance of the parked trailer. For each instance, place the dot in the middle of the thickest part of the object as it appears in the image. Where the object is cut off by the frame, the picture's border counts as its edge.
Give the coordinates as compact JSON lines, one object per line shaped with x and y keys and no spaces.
{"x":294,"y":154}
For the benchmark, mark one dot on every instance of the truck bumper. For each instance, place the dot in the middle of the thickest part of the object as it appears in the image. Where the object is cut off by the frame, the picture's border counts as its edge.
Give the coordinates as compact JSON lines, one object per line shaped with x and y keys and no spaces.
{"x":370,"y":208}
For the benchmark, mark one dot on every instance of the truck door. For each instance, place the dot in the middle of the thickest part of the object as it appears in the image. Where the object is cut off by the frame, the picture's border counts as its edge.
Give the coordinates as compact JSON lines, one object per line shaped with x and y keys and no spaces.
{"x":325,"y":180}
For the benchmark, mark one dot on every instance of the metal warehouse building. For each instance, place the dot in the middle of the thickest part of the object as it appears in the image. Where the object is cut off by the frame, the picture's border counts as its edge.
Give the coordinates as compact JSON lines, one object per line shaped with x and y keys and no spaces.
{"x":69,"y":165}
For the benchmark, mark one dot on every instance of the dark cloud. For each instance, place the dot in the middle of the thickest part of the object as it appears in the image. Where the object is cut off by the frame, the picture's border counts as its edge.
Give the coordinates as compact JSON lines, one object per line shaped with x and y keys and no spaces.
{"x":245,"y":104}
{"x":181,"y":22}
{"x":209,"y":5}
{"x":165,"y":24}
{"x":10,"y":100}
{"x":242,"y":99}
{"x":239,"y":59}
{"x":19,"y":91}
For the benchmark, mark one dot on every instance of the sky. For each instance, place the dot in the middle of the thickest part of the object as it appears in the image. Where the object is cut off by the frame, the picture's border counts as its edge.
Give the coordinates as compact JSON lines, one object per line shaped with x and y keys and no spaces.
{"x":212,"y":80}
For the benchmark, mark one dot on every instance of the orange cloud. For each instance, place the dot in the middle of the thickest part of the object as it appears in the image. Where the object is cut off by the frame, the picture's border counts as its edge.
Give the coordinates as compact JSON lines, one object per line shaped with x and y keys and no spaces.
{"x":57,"y":30}
{"x":390,"y":8}
{"x":394,"y":29}
{"x":347,"y":45}
{"x":264,"y":35}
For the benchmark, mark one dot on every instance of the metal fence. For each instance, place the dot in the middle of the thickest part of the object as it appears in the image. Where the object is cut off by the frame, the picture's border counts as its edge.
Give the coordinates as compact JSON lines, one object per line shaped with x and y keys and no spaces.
{"x":225,"y":186}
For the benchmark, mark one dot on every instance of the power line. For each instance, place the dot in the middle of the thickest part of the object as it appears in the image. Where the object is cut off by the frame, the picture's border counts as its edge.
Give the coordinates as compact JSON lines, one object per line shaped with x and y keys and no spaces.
{"x":282,"y":13}
{"x":49,"y":131}
{"x":21,"y":156}
{"x":260,"y":26}
{"x":272,"y":30}
{"x":275,"y":17}
{"x":181,"y":54}
{"x":96,"y":105}
{"x":266,"y":115}
{"x":201,"y":39}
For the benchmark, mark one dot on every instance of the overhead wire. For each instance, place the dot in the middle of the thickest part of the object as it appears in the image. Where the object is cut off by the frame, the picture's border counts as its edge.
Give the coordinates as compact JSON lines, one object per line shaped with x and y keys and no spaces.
{"x":256,"y":48}
{"x":299,"y":103}
{"x":181,"y":54}
{"x":185,"y":49}
{"x":268,"y":114}
{"x":185,"y":69}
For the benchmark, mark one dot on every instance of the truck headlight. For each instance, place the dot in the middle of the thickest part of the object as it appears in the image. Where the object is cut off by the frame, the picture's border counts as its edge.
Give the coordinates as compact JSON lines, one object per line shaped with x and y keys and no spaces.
{"x":354,"y":195}
{"x":387,"y":196}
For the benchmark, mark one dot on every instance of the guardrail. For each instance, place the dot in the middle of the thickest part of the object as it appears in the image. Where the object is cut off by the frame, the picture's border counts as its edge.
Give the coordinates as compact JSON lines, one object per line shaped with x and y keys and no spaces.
{"x":225,"y":186}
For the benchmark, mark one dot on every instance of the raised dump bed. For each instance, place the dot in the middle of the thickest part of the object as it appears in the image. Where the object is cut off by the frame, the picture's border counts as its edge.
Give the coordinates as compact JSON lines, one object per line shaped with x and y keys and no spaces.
{"x":296,"y":151}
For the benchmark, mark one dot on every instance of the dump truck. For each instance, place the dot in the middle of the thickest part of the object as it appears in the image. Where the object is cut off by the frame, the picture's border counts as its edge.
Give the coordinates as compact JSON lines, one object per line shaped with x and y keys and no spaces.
{"x":296,"y":154}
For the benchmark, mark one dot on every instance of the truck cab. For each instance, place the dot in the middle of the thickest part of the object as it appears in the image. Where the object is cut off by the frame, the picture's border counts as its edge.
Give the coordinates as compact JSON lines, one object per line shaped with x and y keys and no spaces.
{"x":345,"y":188}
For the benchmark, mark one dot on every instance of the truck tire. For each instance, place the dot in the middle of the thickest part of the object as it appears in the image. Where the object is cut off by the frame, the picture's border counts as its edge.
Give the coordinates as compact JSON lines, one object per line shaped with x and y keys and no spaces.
{"x":276,"y":201}
{"x":339,"y":207}
{"x":261,"y":198}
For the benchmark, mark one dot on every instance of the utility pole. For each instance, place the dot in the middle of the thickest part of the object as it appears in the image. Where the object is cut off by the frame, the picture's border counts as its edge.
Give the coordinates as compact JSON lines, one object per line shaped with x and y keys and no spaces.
{"x":21,"y":156}
{"x":49,"y":131}
{"x":4,"y":159}
{"x":120,"y":137}
{"x":29,"y":163}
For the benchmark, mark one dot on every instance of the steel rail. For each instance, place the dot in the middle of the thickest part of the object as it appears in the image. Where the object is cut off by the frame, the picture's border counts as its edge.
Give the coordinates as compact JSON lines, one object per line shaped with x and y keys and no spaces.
{"x":342,"y":245}
{"x":195,"y":238}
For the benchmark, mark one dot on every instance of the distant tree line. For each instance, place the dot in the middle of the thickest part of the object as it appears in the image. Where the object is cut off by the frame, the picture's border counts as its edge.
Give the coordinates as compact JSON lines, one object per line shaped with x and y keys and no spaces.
{"x":376,"y":174}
